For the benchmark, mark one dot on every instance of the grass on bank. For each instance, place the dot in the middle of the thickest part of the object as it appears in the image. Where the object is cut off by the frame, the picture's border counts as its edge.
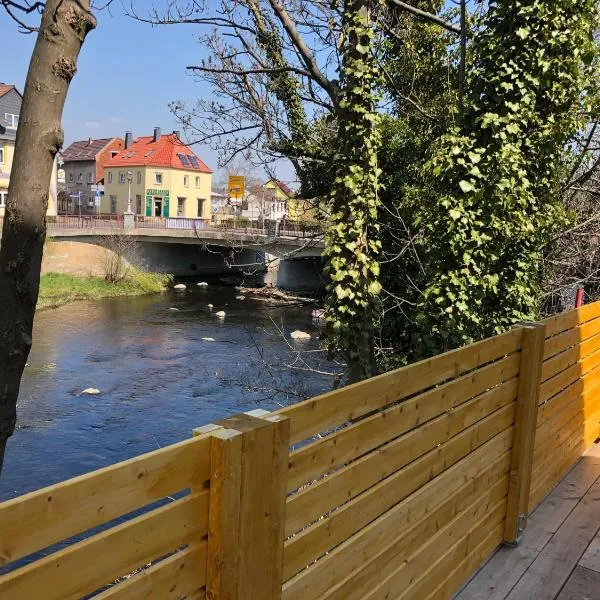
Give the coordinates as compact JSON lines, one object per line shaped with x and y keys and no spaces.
{"x":57,"y":289}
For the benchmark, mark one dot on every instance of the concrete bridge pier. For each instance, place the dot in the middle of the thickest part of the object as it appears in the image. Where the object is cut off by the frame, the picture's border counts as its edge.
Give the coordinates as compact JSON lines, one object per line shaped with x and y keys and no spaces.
{"x":301,"y":274}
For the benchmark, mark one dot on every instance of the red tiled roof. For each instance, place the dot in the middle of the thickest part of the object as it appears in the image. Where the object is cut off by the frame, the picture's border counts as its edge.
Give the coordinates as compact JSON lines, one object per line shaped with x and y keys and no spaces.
{"x":166,"y":153}
{"x":7,"y":87}
{"x":286,"y":189}
{"x":85,"y":149}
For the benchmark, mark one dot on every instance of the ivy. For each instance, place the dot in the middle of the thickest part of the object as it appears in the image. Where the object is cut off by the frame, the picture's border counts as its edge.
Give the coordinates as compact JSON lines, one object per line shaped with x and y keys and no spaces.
{"x":498,"y":174}
{"x":352,"y":238}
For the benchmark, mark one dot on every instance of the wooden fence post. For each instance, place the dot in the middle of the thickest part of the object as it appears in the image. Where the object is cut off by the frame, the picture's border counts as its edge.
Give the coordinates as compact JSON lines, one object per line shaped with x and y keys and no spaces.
{"x":249,"y":465}
{"x":519,"y":483}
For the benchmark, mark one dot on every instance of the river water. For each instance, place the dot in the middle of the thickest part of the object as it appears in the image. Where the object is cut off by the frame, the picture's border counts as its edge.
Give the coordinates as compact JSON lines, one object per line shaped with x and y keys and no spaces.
{"x":157,"y":377}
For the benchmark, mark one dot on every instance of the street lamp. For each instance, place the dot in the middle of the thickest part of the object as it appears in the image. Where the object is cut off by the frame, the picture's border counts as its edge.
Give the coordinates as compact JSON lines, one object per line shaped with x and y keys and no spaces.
{"x":129,"y":180}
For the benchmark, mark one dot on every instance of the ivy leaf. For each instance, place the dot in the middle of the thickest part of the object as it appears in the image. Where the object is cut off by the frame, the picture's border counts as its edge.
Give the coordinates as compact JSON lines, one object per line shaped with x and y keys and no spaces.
{"x":465,"y":186}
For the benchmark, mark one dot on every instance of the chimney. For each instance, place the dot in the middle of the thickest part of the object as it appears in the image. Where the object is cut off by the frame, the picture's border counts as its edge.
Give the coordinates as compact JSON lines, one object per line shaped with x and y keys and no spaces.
{"x":156,"y":134}
{"x":128,"y":139}
{"x":176,"y":133}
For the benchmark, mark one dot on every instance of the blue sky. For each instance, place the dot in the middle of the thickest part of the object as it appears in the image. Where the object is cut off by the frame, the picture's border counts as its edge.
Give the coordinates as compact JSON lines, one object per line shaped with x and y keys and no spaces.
{"x":128,"y":73}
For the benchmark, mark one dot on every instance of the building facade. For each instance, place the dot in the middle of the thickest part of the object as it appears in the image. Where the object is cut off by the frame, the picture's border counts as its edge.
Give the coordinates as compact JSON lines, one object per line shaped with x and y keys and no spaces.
{"x":10,"y":109}
{"x":163,"y":175}
{"x":83,"y":164}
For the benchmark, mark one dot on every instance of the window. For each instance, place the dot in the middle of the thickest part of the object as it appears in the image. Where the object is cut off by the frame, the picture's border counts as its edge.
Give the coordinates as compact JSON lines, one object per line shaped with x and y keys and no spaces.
{"x":110,"y":177}
{"x":139,"y":177}
{"x":194,"y":162}
{"x":184,"y":159}
{"x":186,"y":181}
{"x":71,"y":177}
{"x":181,"y":207}
{"x":3,"y":198}
{"x":113,"y":204}
{"x":158,"y":178}
{"x":138,"y":203}
{"x":12,"y":121}
{"x":90,"y":178}
{"x":122,"y":177}
{"x":80,"y":178}
{"x":113,"y":153}
{"x":197,"y":182}
{"x":1,"y":156}
{"x":200,"y":207}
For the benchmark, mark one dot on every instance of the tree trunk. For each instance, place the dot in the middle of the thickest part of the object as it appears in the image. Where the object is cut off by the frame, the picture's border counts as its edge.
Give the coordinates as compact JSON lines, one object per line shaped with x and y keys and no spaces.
{"x":64,"y":25}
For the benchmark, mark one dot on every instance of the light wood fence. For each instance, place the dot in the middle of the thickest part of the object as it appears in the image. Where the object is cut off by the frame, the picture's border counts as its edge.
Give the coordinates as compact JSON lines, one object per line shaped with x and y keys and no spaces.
{"x":397,"y":487}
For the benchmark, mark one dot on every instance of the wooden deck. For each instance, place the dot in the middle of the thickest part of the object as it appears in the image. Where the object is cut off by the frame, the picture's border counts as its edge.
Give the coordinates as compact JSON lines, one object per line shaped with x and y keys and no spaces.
{"x":559,"y":558}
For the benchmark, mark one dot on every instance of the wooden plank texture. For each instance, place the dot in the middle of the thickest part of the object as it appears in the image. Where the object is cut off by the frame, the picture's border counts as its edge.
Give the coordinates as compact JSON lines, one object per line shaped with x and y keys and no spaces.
{"x":548,"y":573}
{"x":573,"y":318}
{"x":334,"y":408}
{"x":319,"y":498}
{"x":570,"y":338}
{"x":351,"y":568}
{"x":491,"y":434}
{"x":583,"y":584}
{"x":174,"y":578}
{"x":524,"y":432}
{"x":338,"y":448}
{"x":80,"y":569}
{"x":32,"y":522}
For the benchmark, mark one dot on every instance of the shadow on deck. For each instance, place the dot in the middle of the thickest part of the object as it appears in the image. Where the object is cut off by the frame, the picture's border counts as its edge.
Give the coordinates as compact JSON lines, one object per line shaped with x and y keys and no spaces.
{"x":560,"y":554}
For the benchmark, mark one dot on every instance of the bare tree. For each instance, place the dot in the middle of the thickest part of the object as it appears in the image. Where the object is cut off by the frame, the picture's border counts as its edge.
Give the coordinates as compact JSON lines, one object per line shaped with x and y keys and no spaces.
{"x":62,"y":31}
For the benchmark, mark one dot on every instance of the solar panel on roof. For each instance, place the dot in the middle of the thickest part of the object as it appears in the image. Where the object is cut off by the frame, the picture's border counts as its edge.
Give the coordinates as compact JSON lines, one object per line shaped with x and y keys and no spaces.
{"x":184,"y":160}
{"x":194,"y":162}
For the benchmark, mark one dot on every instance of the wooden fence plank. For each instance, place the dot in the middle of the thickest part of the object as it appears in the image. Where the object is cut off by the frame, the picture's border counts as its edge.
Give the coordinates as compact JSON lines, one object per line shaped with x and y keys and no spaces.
{"x":246,"y":541}
{"x":324,"y":455}
{"x":435,"y":560}
{"x":324,"y":412}
{"x":532,"y":350}
{"x":567,"y":320}
{"x":174,"y":578}
{"x":571,"y":374}
{"x":460,"y":574}
{"x":80,"y":569}
{"x":32,"y":522}
{"x":569,"y":357}
{"x":314,"y":541}
{"x":571,"y":337}
{"x":319,"y":498}
{"x":584,"y":388}
{"x":352,"y":567}
{"x":224,"y":513}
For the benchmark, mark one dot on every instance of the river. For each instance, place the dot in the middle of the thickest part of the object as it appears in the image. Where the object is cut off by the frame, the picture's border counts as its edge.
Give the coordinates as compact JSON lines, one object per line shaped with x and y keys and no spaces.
{"x":157,"y":377}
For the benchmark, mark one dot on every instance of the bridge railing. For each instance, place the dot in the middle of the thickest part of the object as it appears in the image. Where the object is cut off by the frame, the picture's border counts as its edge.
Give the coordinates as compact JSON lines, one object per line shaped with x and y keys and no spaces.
{"x":85,"y":222}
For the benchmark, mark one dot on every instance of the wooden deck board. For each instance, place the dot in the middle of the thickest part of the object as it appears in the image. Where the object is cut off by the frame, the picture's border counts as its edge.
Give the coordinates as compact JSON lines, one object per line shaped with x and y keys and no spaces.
{"x":591,"y":557}
{"x":584,"y":584}
{"x":561,"y":538}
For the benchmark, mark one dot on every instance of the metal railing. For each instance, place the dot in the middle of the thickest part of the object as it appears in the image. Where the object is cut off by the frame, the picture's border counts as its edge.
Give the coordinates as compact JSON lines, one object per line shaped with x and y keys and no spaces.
{"x":85,"y":222}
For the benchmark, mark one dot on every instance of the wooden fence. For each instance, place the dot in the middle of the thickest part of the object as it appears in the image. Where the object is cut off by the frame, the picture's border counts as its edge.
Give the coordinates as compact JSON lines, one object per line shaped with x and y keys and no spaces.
{"x":397,"y":487}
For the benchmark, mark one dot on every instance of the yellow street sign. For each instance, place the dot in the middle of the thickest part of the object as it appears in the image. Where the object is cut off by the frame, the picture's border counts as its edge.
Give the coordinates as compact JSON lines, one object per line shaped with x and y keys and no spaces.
{"x":236,"y":186}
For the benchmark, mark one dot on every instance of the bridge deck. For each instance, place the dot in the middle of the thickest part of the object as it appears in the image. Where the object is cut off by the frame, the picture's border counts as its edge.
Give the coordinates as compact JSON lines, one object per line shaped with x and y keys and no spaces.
{"x":559,"y":558}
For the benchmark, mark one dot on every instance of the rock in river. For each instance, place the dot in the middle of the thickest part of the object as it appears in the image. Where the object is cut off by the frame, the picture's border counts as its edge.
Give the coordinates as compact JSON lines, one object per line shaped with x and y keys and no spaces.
{"x":180,"y":286}
{"x":220,"y":314}
{"x":300,"y":335}
{"x":202,"y":284}
{"x":90,"y":391}
{"x":240,"y":297}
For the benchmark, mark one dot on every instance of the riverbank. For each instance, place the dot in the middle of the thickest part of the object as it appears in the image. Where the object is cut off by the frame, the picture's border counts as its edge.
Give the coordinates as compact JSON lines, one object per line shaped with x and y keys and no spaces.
{"x":57,"y":289}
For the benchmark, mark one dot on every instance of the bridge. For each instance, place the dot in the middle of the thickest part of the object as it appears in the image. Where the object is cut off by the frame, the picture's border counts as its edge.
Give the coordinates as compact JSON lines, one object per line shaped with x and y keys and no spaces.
{"x":289,"y":240}
{"x":188,"y":247}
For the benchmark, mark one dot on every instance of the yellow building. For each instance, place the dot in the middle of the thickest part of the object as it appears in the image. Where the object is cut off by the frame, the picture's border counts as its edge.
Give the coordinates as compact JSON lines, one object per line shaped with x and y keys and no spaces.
{"x":10,"y":109}
{"x":164,"y":175}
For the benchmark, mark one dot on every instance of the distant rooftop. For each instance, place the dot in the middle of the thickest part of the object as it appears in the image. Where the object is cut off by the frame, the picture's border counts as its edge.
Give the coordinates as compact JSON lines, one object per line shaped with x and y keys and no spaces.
{"x":167,"y":152}
{"x":6,"y":87}
{"x":85,"y":149}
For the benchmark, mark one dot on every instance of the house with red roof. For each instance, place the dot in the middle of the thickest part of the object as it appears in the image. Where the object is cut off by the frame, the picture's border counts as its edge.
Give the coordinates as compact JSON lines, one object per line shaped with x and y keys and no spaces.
{"x":157,"y":176}
{"x":10,"y":109}
{"x":84,"y":163}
